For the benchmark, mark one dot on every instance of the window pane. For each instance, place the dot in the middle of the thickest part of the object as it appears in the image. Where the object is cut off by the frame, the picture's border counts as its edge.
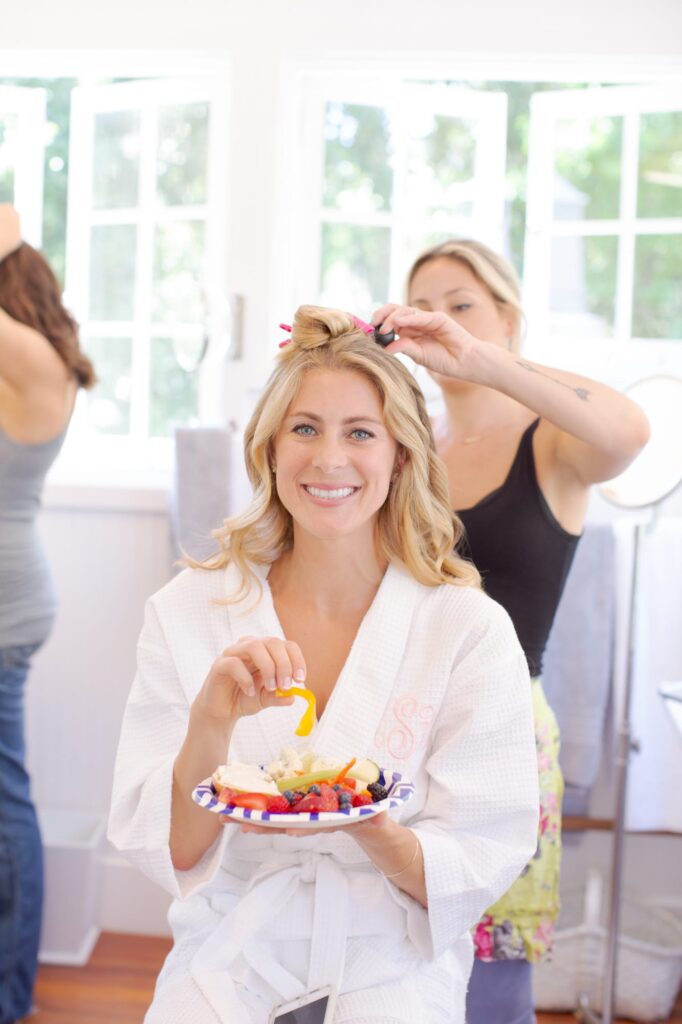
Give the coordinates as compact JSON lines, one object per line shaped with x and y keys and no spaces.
{"x":178,"y":260}
{"x":182,"y":152}
{"x":358,"y":176}
{"x":587,"y":168}
{"x":109,"y":400}
{"x":440,"y":167}
{"x":355,"y":263}
{"x":174,"y":398}
{"x":116,"y":159}
{"x":657,"y":303}
{"x":8,"y":127}
{"x":583,"y":286}
{"x":660,"y":165}
{"x":112,"y":272}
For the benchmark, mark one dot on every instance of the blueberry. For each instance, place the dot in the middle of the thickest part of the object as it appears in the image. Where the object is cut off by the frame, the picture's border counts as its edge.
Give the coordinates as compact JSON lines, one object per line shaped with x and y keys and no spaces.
{"x":314,"y":789}
{"x":290,"y":795}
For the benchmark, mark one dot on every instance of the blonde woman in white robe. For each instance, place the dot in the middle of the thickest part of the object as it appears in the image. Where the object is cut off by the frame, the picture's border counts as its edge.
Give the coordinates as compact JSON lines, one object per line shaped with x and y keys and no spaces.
{"x":341,"y":573}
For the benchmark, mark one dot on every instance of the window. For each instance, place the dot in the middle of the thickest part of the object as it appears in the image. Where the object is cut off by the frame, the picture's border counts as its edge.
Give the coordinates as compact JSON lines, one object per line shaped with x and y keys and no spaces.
{"x":128,"y":180}
{"x":604,"y":240}
{"x":579,"y":186}
{"x":389,"y":168}
{"x":145,"y":251}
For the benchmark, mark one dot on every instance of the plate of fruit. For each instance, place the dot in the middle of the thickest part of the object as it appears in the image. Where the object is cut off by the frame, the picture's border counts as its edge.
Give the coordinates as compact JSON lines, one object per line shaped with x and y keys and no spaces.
{"x":303,"y":791}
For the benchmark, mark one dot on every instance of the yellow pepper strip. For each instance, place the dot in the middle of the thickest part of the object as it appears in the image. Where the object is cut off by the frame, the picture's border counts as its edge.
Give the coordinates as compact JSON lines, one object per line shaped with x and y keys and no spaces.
{"x":307,"y":722}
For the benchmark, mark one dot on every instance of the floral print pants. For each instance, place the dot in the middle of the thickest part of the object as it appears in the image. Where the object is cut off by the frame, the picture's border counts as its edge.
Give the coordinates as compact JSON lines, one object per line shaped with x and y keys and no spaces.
{"x":520,"y":926}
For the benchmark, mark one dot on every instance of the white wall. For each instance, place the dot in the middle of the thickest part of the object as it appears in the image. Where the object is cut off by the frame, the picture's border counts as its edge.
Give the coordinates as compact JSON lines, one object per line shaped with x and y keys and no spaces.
{"x":106,"y":561}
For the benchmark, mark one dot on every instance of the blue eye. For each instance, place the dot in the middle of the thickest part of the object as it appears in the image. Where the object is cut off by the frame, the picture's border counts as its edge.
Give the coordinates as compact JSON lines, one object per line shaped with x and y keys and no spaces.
{"x":303,"y":429}
{"x":462,"y":307}
{"x":361,"y":435}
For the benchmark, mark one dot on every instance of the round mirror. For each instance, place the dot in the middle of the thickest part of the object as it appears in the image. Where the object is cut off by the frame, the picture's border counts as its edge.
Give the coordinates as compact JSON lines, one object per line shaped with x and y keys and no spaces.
{"x":191,"y":350}
{"x":657,"y":470}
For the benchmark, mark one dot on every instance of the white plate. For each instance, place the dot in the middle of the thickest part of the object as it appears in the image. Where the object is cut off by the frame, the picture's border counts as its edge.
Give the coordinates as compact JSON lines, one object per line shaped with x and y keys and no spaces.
{"x":399,"y":792}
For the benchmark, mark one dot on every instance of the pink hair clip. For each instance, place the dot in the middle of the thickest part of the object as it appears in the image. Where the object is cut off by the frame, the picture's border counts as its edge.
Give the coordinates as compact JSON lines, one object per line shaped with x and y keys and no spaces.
{"x":285,"y":327}
{"x":367,"y":328}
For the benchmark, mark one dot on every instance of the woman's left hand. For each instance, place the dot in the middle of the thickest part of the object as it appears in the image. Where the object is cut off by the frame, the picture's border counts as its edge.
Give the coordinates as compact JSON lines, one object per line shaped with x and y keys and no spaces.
{"x":434,"y":340}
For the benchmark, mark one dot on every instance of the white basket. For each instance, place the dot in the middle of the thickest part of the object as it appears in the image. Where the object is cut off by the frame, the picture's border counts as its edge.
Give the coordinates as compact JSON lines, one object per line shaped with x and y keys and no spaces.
{"x":649,"y":968}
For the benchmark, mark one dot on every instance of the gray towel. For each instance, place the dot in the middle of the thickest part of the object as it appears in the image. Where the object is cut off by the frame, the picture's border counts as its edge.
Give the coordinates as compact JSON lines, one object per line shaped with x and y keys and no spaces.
{"x":577,"y":667}
{"x":209,"y":484}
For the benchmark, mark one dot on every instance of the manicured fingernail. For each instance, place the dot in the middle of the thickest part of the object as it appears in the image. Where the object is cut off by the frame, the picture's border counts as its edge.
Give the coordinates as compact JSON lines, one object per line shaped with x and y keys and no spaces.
{"x":251,"y":692}
{"x":299,"y":675}
{"x":270,"y":684}
{"x":286,"y":683}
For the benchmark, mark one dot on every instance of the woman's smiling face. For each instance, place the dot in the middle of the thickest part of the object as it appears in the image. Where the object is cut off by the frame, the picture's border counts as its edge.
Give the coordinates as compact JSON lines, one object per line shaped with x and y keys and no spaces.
{"x":334,"y":455}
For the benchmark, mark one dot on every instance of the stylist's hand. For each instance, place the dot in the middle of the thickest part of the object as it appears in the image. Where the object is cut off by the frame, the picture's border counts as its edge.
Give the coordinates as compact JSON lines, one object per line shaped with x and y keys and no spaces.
{"x":434,"y":340}
{"x":242,"y":681}
{"x":10,"y":230}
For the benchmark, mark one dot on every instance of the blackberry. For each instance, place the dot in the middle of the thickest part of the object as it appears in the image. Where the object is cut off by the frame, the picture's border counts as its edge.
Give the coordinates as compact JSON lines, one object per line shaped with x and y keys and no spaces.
{"x":290,"y":795}
{"x":314,"y":789}
{"x":377,"y":792}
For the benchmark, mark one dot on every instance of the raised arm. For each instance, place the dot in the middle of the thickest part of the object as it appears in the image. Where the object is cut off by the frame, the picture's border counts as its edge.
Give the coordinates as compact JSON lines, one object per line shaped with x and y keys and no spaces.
{"x":598,"y":431}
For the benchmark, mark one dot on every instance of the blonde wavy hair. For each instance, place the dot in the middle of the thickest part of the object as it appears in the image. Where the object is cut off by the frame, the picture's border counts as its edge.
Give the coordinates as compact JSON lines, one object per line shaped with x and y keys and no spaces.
{"x":491,"y":269}
{"x":416,"y":525}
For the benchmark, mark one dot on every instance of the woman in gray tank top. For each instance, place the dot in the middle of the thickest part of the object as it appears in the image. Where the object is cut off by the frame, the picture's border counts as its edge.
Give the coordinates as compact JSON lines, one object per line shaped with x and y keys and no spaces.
{"x":41,"y":369}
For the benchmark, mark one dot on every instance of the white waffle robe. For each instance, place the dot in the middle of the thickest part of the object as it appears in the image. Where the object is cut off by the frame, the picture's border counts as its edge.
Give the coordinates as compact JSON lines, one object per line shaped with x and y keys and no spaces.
{"x":436,"y":687}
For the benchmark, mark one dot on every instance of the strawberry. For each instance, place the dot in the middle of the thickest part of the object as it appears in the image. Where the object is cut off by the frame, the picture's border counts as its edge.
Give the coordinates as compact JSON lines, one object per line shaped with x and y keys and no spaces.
{"x":278,"y":805}
{"x":254,"y":801}
{"x":362,"y":799}
{"x":329,"y":798}
{"x":311,"y":802}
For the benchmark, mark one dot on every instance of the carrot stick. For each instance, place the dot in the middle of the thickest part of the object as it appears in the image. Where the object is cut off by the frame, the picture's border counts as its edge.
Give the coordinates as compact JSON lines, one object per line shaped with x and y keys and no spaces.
{"x":344,"y":771}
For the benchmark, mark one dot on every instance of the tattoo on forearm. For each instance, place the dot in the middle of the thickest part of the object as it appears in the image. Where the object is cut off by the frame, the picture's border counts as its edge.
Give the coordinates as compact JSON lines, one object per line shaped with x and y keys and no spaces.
{"x":582,"y":393}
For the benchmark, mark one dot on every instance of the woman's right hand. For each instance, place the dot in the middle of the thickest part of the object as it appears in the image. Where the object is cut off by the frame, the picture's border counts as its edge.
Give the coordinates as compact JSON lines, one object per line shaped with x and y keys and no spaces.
{"x":243,"y":680}
{"x":10,"y":230}
{"x":435,"y":340}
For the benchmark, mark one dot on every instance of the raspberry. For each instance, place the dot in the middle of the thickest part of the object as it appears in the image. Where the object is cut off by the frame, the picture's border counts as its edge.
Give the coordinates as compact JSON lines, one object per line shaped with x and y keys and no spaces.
{"x":278,"y":805}
{"x":362,"y":799}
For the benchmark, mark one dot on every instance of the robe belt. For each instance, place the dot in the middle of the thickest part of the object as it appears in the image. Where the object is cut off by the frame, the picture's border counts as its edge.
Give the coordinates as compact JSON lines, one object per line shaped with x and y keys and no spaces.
{"x":268,"y":892}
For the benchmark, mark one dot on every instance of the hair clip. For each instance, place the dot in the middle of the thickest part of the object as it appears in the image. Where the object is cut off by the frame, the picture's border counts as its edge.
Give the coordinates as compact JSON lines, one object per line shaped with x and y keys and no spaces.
{"x":285,"y":327}
{"x":381,"y":339}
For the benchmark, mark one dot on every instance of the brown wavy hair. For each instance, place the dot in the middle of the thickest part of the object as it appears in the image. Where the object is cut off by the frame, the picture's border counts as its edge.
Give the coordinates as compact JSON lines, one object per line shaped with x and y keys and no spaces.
{"x":30,"y":293}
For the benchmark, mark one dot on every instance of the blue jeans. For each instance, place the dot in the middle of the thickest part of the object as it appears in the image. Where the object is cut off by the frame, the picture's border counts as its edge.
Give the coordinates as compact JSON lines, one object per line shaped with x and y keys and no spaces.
{"x":21,"y":853}
{"x":500,"y":993}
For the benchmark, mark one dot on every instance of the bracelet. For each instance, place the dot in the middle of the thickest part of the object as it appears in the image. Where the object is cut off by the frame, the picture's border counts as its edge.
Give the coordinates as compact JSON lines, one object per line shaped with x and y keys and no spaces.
{"x":413,"y":858}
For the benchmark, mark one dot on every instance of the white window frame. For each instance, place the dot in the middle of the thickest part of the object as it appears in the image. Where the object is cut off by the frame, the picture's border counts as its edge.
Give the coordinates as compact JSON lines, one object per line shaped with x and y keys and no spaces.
{"x":138,"y":457}
{"x":635,"y":355}
{"x":27,"y":104}
{"x":302,"y":184}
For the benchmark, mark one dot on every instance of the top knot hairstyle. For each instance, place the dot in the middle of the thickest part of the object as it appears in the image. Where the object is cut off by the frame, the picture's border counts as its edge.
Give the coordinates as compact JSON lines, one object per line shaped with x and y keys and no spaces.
{"x":416,"y":525}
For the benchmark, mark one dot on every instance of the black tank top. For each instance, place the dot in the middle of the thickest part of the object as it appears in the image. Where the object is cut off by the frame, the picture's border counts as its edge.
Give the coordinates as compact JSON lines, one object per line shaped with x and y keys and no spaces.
{"x":522,"y":553}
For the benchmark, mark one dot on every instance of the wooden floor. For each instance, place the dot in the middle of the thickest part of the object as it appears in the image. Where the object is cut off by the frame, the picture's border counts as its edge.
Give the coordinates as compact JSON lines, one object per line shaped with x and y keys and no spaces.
{"x":115,"y":987}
